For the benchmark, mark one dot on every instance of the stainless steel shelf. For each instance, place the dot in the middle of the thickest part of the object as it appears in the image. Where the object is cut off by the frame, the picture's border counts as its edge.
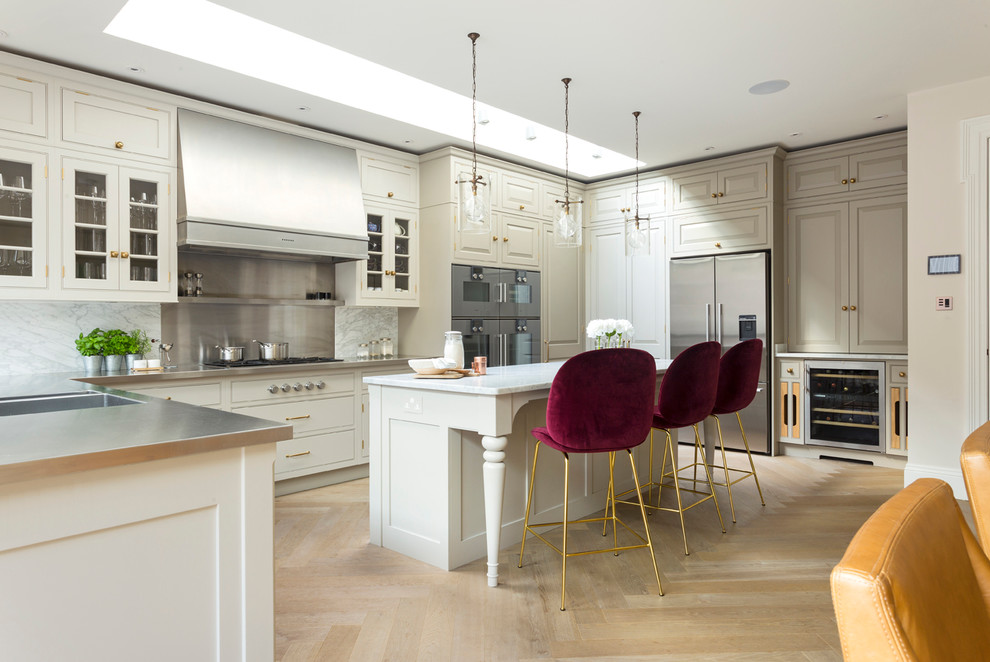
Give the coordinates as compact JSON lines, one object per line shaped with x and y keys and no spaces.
{"x":261,"y":302}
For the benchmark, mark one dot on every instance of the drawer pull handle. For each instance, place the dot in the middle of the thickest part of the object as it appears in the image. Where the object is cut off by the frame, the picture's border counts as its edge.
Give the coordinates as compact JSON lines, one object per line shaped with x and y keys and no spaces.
{"x":390,"y":194}
{"x":119,"y":145}
{"x":298,"y":454}
{"x":901,"y":374}
{"x":790,"y":371}
{"x":296,"y":418}
{"x":845,"y":181}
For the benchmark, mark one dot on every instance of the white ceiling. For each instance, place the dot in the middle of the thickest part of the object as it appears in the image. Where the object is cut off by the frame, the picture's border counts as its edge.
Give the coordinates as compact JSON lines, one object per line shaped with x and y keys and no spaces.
{"x":686,"y":64}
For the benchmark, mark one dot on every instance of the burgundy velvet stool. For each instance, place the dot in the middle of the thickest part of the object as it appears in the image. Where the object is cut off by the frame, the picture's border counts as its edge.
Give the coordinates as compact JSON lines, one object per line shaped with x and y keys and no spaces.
{"x":738,"y":376}
{"x":687,"y":397}
{"x":600,"y":402}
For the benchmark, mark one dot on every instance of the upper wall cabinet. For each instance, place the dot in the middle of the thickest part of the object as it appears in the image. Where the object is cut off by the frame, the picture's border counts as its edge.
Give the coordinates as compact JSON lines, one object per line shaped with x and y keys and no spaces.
{"x":845,"y":173}
{"x":719,"y":187}
{"x":721,"y":231}
{"x":114,"y":126}
{"x":614,"y":202}
{"x":23,"y":219}
{"x":389,"y":181}
{"x":23,"y":104}
{"x":520,"y":194}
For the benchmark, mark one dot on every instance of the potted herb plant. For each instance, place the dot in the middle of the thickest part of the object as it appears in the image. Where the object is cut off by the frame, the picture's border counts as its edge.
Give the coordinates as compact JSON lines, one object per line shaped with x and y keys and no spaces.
{"x":91,"y":347}
{"x":116,"y":344}
{"x":139,"y":346}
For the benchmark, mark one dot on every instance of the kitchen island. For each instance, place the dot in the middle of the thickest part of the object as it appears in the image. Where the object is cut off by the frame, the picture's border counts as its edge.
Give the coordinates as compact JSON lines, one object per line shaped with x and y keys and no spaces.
{"x":141,"y":530}
{"x":436,"y":442}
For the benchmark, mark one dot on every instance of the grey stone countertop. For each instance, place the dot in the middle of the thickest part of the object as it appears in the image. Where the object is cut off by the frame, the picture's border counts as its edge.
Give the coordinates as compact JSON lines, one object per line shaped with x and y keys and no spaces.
{"x":40,"y":445}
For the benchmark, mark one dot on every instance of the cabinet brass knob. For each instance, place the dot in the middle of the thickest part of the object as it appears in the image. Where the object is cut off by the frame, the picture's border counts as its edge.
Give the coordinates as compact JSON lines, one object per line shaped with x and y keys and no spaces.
{"x":720,"y":194}
{"x":170,"y":397}
{"x":494,"y":238}
{"x":125,"y":255}
{"x":845,"y":308}
{"x":718,"y":244}
{"x":522,"y":207}
{"x":390,"y":194}
{"x":852,"y":180}
{"x":505,"y":238}
{"x":790,"y":371}
{"x":119,"y":145}
{"x":114,"y":253}
{"x":714,"y":195}
{"x":852,"y":307}
{"x":902,"y":374}
{"x":845,"y":181}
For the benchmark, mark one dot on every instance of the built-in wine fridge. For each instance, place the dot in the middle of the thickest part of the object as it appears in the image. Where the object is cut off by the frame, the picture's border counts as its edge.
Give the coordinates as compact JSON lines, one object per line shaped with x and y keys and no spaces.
{"x":844,"y":407}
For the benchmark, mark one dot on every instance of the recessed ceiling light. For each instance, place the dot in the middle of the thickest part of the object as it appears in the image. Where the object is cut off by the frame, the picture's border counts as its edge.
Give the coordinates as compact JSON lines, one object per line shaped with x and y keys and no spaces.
{"x":795,"y":134}
{"x":304,"y":109}
{"x":3,"y":34}
{"x":215,"y":35}
{"x":530,"y":133}
{"x":483,"y":117}
{"x":770,"y":86}
{"x":596,"y":155}
{"x":136,"y":70}
{"x":710,"y":148}
{"x":879,"y":117}
{"x":408,"y":141}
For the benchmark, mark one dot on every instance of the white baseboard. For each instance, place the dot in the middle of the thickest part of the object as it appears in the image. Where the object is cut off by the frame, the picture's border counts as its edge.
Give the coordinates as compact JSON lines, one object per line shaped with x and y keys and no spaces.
{"x":953,"y":477}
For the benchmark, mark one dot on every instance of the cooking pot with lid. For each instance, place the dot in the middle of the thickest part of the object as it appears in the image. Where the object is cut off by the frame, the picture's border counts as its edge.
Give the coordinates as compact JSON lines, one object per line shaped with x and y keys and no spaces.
{"x":231,"y":353}
{"x":272,"y":351}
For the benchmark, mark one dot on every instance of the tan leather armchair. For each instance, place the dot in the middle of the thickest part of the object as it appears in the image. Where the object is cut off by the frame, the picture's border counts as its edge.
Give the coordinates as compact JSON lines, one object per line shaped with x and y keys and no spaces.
{"x":914,"y":583}
{"x":975,"y":461}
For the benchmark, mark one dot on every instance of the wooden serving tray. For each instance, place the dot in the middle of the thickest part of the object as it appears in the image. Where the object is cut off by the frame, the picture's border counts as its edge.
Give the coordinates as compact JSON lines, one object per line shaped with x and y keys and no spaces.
{"x":452,"y":373}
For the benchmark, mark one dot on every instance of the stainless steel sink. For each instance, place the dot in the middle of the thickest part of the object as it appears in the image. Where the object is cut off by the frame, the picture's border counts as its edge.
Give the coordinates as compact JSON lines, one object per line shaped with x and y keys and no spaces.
{"x":38,"y":404}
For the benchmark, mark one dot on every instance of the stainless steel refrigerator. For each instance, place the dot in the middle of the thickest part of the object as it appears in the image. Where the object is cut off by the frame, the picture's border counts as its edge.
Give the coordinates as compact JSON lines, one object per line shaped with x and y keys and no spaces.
{"x":726,"y":298}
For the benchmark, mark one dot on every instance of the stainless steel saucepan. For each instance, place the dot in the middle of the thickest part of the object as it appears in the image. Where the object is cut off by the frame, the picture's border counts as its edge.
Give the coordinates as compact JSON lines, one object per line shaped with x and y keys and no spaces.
{"x":272,"y":351}
{"x":231,"y":353}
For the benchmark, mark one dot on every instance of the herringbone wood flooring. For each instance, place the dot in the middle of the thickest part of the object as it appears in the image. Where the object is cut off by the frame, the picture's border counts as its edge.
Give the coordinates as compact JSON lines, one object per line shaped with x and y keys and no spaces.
{"x":758,"y":592}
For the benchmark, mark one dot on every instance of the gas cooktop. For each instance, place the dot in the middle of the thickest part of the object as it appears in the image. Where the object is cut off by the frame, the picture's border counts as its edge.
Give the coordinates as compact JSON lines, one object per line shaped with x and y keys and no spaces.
{"x":249,"y":363}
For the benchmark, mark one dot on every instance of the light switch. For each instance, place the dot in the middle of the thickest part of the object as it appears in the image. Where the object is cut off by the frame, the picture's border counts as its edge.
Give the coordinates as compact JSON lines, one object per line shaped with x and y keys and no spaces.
{"x":943,"y":303}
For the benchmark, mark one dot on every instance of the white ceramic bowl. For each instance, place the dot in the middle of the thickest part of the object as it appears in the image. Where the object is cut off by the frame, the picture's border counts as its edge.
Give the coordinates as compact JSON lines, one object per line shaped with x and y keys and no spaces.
{"x":426,"y":366}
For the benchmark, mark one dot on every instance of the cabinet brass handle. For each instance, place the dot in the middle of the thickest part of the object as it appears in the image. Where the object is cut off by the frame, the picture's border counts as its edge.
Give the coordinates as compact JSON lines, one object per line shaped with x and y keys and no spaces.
{"x":852,"y":307}
{"x":505,"y":238}
{"x":718,"y":244}
{"x":852,"y":180}
{"x":902,"y":374}
{"x":522,"y":207}
{"x":720,"y":194}
{"x":298,"y":454}
{"x":790,"y":371}
{"x":845,"y":181}
{"x":119,"y":145}
{"x":494,"y":238}
{"x":714,"y":195}
{"x":845,"y":308}
{"x":125,"y":255}
{"x":390,"y":194}
{"x":170,"y":397}
{"x":296,"y":418}
{"x":114,"y":253}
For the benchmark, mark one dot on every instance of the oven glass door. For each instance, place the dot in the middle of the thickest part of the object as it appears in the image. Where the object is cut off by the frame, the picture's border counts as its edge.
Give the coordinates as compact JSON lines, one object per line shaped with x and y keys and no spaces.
{"x":519,"y":341}
{"x":475,"y":291}
{"x":520,"y":294}
{"x":479,"y":337}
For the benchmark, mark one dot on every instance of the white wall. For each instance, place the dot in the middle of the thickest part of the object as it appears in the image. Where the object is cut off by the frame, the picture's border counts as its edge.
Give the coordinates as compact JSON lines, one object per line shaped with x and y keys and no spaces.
{"x":937,"y":225}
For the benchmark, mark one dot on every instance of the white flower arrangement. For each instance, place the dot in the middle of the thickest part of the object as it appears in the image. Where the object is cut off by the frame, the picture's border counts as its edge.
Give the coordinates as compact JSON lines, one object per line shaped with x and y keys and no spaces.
{"x":610,"y":332}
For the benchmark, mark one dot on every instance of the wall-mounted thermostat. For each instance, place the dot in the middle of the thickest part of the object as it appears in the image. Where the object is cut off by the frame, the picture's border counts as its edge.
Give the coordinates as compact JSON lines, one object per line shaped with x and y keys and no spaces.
{"x":943,"y":303}
{"x":943,"y":264}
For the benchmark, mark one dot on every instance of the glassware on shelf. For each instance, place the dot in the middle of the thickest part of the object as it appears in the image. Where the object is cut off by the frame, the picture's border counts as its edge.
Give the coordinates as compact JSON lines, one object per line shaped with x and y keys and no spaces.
{"x":363,"y":352}
{"x":188,"y":289}
{"x":388,"y":350}
{"x":374,"y":349}
{"x":199,"y":285}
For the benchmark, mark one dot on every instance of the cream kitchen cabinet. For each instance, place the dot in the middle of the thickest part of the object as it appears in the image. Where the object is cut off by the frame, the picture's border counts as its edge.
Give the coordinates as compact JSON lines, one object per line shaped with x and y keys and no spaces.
{"x":116,"y":231}
{"x":563,"y":299}
{"x":390,"y":275}
{"x":897,"y":408}
{"x":630,"y":288}
{"x":202,"y":393}
{"x":847,"y":277}
{"x":23,"y":222}
{"x":726,"y":185}
{"x":613,"y":203}
{"x":721,"y":231}
{"x":391,"y":181}
{"x":515,"y":241}
{"x":833,"y":173}
{"x":23,"y":105}
{"x":520,"y":195}
{"x":789,"y":401}
{"x":104,"y":123}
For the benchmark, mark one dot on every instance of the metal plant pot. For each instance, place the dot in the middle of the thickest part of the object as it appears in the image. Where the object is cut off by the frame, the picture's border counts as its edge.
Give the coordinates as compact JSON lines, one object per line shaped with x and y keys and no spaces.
{"x":113,"y":362}
{"x":93,"y":364}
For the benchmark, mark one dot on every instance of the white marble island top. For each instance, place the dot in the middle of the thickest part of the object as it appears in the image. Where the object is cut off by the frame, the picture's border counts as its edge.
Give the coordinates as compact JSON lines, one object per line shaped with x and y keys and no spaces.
{"x":498,"y":381}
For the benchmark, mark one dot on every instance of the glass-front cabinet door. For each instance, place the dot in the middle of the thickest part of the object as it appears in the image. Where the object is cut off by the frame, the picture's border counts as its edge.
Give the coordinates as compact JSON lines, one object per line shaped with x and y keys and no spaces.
{"x":391,"y":269}
{"x":116,"y":229}
{"x":23,"y":218}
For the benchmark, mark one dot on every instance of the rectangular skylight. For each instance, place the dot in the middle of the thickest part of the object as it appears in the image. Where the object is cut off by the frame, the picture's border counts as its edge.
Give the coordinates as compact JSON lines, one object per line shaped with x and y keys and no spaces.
{"x":215,"y":35}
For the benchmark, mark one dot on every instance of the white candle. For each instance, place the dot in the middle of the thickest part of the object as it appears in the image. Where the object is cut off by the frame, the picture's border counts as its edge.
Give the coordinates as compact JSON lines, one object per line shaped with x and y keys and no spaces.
{"x":154,"y":363}
{"x":140,"y":363}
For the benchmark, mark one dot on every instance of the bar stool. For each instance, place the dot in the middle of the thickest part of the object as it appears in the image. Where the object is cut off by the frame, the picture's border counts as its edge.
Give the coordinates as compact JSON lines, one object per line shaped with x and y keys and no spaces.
{"x":600,"y":402}
{"x":738,"y":376}
{"x":687,"y":396}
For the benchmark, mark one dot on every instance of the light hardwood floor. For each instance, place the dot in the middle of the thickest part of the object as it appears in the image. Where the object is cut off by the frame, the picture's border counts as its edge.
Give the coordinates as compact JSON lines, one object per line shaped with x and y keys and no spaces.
{"x":758,"y":592}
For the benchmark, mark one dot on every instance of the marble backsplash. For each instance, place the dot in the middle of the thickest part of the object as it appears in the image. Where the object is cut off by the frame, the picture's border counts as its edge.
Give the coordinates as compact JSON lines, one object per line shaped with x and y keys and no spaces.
{"x":354,"y":325}
{"x":40,"y":337}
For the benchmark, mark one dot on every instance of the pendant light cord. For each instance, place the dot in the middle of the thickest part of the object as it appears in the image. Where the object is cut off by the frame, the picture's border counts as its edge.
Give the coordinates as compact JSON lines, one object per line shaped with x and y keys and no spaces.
{"x":567,"y":186}
{"x":474,"y":110}
{"x":636,"y":115}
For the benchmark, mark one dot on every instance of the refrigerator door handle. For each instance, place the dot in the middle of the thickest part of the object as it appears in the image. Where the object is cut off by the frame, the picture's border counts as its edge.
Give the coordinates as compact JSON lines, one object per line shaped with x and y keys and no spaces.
{"x":718,"y":324}
{"x":708,"y":317}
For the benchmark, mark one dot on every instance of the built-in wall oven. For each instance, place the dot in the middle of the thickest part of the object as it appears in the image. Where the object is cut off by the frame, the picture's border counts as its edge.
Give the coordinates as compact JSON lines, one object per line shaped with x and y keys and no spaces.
{"x":497,"y":312}
{"x":845,"y":404}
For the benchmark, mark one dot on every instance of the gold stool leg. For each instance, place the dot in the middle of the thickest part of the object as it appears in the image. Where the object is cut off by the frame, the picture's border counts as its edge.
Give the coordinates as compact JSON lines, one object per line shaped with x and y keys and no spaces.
{"x":708,"y":475}
{"x":677,"y":488}
{"x":663,"y":468}
{"x":610,"y":497}
{"x":725,"y":467}
{"x":529,"y":501}
{"x":646,"y":525}
{"x":611,"y":484}
{"x":750,"y":456}
{"x":563,"y":569}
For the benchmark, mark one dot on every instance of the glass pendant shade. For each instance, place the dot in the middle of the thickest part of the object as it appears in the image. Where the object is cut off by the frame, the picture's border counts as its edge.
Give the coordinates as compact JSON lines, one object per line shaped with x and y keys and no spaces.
{"x":474,"y":213}
{"x":567,"y":223}
{"x":637,"y":235}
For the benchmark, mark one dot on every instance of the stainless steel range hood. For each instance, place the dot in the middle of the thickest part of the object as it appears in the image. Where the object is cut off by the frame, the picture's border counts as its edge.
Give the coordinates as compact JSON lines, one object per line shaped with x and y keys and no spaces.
{"x":244,"y":190}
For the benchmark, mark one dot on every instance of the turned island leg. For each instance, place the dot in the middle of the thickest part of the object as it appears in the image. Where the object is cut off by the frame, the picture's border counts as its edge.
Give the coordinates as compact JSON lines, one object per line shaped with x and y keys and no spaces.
{"x":494,"y":477}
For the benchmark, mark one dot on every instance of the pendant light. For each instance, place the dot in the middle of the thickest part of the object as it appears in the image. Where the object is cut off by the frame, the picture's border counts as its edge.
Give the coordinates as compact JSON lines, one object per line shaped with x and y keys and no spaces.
{"x":567,"y":212}
{"x":637,"y":225}
{"x":473,"y":210}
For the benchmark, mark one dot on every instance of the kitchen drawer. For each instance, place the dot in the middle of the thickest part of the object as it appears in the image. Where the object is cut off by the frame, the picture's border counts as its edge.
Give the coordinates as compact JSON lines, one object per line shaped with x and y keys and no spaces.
{"x":23,"y":104}
{"x":388,"y":180}
{"x":790,"y":370}
{"x":897,"y":373}
{"x":204,"y":395}
{"x":258,"y":389}
{"x":298,"y":457}
{"x":520,"y":194}
{"x":720,"y":231}
{"x":124,"y":128}
{"x":308,"y":415}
